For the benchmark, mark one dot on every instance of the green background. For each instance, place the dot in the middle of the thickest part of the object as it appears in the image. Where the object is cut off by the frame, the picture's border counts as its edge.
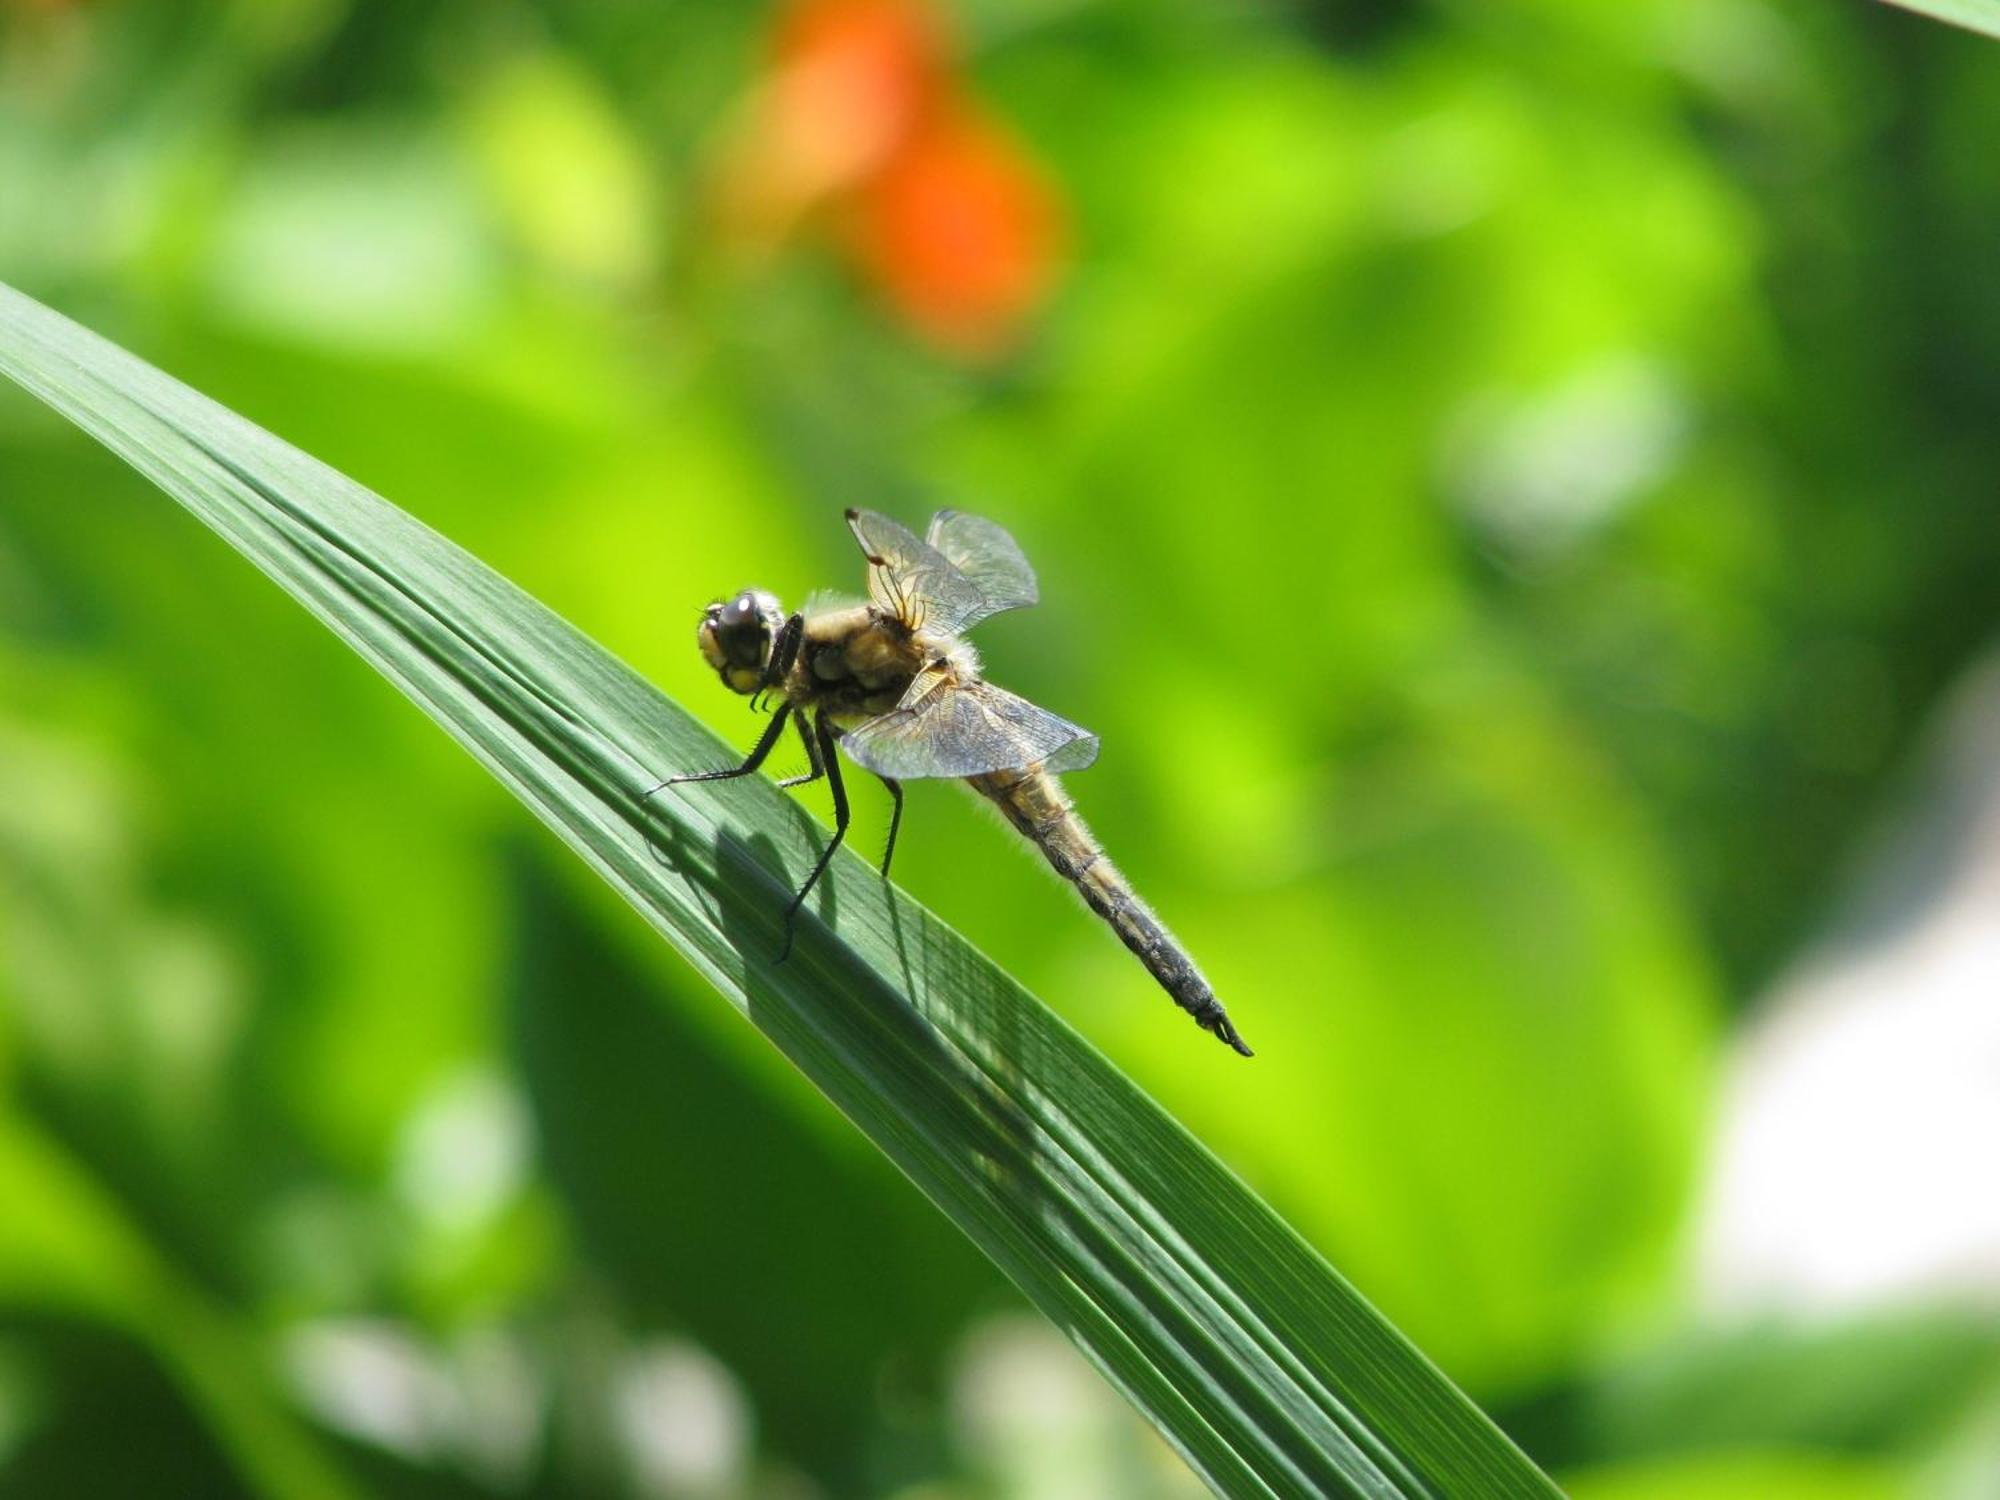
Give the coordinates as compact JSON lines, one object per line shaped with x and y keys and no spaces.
{"x":1508,"y":481}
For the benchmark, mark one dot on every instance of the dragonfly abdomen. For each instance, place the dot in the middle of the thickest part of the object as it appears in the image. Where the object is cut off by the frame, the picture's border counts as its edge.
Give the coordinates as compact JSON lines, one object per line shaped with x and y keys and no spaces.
{"x":1034,"y":802}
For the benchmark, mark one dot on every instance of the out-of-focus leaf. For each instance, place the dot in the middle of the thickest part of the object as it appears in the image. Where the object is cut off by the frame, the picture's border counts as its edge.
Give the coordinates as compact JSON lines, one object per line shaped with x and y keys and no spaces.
{"x":1742,"y":1476}
{"x":64,"y":1245}
{"x":1265,"y":1370}
{"x":1883,"y":1386}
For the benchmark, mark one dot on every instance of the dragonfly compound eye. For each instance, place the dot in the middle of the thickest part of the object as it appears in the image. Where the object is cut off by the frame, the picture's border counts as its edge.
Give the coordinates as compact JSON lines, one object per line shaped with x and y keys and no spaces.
{"x":736,"y":635}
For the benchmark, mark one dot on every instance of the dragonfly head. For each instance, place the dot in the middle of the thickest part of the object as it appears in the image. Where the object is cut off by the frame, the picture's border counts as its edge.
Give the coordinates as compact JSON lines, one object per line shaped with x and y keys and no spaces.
{"x":736,"y":636}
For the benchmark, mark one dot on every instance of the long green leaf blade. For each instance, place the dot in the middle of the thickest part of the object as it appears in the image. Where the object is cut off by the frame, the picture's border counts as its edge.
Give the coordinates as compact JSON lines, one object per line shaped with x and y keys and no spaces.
{"x":1266,"y":1370}
{"x":1973,"y":15}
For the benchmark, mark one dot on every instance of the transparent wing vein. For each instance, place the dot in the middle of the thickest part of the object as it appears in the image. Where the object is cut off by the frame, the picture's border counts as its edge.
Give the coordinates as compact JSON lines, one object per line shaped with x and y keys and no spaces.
{"x":911,"y":579}
{"x":988,"y":556}
{"x":941,"y":729}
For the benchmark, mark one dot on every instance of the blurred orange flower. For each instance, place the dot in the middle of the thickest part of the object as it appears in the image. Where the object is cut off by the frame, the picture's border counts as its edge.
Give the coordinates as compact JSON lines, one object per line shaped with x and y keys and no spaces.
{"x":863,"y":123}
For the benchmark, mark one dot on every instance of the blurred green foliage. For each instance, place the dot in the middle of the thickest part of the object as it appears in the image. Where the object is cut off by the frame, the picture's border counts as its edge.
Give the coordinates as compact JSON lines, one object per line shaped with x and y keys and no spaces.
{"x":1507,"y":480}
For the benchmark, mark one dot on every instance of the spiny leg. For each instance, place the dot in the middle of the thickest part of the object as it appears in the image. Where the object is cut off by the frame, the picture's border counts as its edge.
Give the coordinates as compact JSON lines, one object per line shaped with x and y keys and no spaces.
{"x":895,"y":822}
{"x":812,"y":756}
{"x":756,"y":758}
{"x":784,"y":651}
{"x":834,"y":731}
{"x":830,"y":764}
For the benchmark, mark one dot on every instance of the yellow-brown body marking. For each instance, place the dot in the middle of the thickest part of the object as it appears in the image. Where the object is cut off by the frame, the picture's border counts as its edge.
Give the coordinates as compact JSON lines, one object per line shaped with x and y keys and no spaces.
{"x":858,"y":661}
{"x":1034,"y":802}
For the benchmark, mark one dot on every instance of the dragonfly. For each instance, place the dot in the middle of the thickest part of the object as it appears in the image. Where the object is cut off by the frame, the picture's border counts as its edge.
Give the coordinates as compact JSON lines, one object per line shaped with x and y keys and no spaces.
{"x":892,"y":684}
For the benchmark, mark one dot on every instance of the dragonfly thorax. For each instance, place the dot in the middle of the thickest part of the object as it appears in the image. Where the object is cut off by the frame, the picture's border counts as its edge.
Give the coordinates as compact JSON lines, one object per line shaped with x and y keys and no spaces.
{"x":858,"y":661}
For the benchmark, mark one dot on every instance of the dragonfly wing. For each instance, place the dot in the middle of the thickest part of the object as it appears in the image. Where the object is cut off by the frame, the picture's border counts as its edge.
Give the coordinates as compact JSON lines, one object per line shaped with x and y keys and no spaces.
{"x":911,"y":579}
{"x":986,"y":555}
{"x":942,"y":729}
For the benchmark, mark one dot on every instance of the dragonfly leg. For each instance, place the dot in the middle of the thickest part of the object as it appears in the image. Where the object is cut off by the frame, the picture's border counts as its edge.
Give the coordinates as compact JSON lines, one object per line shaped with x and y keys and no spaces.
{"x":756,"y":758}
{"x":895,"y":822}
{"x":830,"y":764}
{"x":784,"y":651}
{"x":812,"y":756}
